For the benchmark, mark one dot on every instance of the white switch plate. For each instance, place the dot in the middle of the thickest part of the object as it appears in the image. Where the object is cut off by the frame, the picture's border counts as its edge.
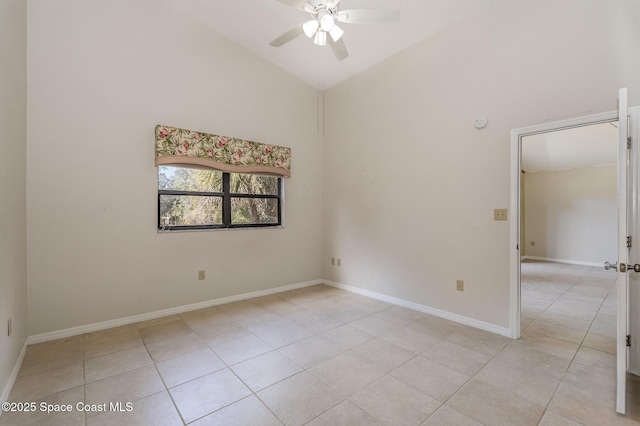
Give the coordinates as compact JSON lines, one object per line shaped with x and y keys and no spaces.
{"x":500,"y":214}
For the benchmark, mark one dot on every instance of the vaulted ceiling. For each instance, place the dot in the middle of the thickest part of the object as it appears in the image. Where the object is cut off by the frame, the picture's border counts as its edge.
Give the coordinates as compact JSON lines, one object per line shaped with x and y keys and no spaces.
{"x":254,"y":23}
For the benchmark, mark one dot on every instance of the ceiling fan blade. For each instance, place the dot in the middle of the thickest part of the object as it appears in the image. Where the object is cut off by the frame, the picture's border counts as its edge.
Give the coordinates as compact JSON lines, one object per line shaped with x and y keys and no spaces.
{"x":368,"y":16}
{"x":297,"y":4}
{"x":339,"y":49}
{"x":287,"y":37}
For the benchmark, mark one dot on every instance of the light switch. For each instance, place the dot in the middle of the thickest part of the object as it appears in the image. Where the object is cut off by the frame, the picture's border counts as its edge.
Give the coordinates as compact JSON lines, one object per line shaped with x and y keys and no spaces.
{"x":500,"y":214}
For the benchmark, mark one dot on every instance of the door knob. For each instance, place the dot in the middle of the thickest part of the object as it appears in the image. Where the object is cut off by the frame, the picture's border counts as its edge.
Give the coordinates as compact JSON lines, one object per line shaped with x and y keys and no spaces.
{"x":623,"y":267}
{"x":629,"y":268}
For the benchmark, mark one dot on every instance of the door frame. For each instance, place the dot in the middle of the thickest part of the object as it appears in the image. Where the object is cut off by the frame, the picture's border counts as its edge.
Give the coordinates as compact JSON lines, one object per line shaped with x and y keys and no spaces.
{"x":515,"y":197}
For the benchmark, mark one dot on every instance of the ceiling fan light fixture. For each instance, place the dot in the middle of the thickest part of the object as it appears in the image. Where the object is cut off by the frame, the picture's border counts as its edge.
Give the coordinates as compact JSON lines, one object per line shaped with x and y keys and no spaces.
{"x":336,"y":33}
{"x":326,"y":21}
{"x":325,"y":14}
{"x":321,"y":38}
{"x":310,"y":27}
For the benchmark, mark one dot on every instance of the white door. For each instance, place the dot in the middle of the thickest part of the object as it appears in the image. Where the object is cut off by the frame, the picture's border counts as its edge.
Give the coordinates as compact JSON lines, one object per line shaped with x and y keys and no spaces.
{"x":624,"y":170}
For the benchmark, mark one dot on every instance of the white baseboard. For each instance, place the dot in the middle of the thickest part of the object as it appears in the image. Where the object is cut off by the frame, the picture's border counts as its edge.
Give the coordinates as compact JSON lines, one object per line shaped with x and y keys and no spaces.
{"x":503,"y":331}
{"x":74,"y":331}
{"x":14,"y":374}
{"x":569,"y":261}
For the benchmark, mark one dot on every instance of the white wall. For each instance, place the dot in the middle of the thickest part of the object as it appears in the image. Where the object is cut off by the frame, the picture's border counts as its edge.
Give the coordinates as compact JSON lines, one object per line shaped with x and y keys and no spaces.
{"x":101,"y":75}
{"x":410,"y":185}
{"x":572,"y":214}
{"x":13,"y":122}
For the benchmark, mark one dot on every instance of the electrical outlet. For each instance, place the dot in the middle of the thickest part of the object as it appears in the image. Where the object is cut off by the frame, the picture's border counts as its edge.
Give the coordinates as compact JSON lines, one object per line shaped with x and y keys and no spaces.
{"x":459,"y":285}
{"x":499,"y":214}
{"x":201,"y":275}
{"x":9,"y":327}
{"x":333,"y":261}
{"x":338,"y":262}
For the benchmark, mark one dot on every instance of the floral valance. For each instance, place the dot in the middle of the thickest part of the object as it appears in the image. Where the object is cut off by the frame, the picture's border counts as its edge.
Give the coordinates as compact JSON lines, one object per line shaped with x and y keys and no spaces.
{"x":178,"y":147}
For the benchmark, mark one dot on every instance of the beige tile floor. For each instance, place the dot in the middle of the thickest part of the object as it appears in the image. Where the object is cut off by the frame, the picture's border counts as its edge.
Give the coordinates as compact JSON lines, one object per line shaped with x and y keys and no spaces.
{"x":323,"y":356}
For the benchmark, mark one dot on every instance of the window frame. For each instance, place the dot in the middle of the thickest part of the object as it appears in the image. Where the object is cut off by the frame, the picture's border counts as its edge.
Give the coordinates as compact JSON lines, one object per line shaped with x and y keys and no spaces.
{"x":226,"y":196}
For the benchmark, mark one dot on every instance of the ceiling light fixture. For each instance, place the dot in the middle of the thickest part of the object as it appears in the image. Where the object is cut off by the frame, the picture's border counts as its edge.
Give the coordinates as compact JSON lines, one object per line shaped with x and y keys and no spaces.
{"x":319,"y":27}
{"x":336,"y":33}
{"x":310,"y":27}
{"x":325,"y":14}
{"x":326,"y":20}
{"x":321,"y":38}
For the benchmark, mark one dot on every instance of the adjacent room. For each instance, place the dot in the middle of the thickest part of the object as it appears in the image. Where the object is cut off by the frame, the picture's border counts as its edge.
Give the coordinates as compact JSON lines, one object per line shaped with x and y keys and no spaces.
{"x":351,"y":273}
{"x":569,"y":229}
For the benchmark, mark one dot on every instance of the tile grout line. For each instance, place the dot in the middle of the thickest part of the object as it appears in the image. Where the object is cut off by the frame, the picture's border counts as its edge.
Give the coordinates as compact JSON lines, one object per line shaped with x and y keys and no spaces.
{"x":166,"y":388}
{"x":546,"y":408}
{"x":467,"y":382}
{"x":579,"y":345}
{"x":84,"y":384}
{"x":578,"y":350}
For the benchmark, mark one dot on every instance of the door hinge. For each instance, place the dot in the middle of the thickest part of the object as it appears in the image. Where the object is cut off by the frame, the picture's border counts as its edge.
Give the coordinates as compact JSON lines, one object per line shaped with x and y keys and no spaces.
{"x":629,"y":241}
{"x":628,"y":340}
{"x":629,"y":143}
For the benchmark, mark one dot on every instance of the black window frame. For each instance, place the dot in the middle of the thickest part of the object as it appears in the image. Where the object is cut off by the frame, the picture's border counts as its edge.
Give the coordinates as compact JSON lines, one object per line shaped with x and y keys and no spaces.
{"x":226,"y":196}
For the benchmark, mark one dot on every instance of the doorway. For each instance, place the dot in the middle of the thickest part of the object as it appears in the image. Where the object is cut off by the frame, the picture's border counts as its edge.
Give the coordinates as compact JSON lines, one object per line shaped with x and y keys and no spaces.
{"x":557,"y":165}
{"x":568,"y":228}
{"x":628,"y":236}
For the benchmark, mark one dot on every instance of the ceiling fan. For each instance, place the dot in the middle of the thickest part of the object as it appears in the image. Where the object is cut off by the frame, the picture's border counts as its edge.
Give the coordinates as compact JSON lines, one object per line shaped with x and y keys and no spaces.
{"x":325,"y":13}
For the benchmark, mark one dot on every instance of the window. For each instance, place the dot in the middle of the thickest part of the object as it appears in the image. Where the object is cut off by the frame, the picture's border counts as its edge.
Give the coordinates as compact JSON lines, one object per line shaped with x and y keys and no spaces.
{"x":191,"y":198}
